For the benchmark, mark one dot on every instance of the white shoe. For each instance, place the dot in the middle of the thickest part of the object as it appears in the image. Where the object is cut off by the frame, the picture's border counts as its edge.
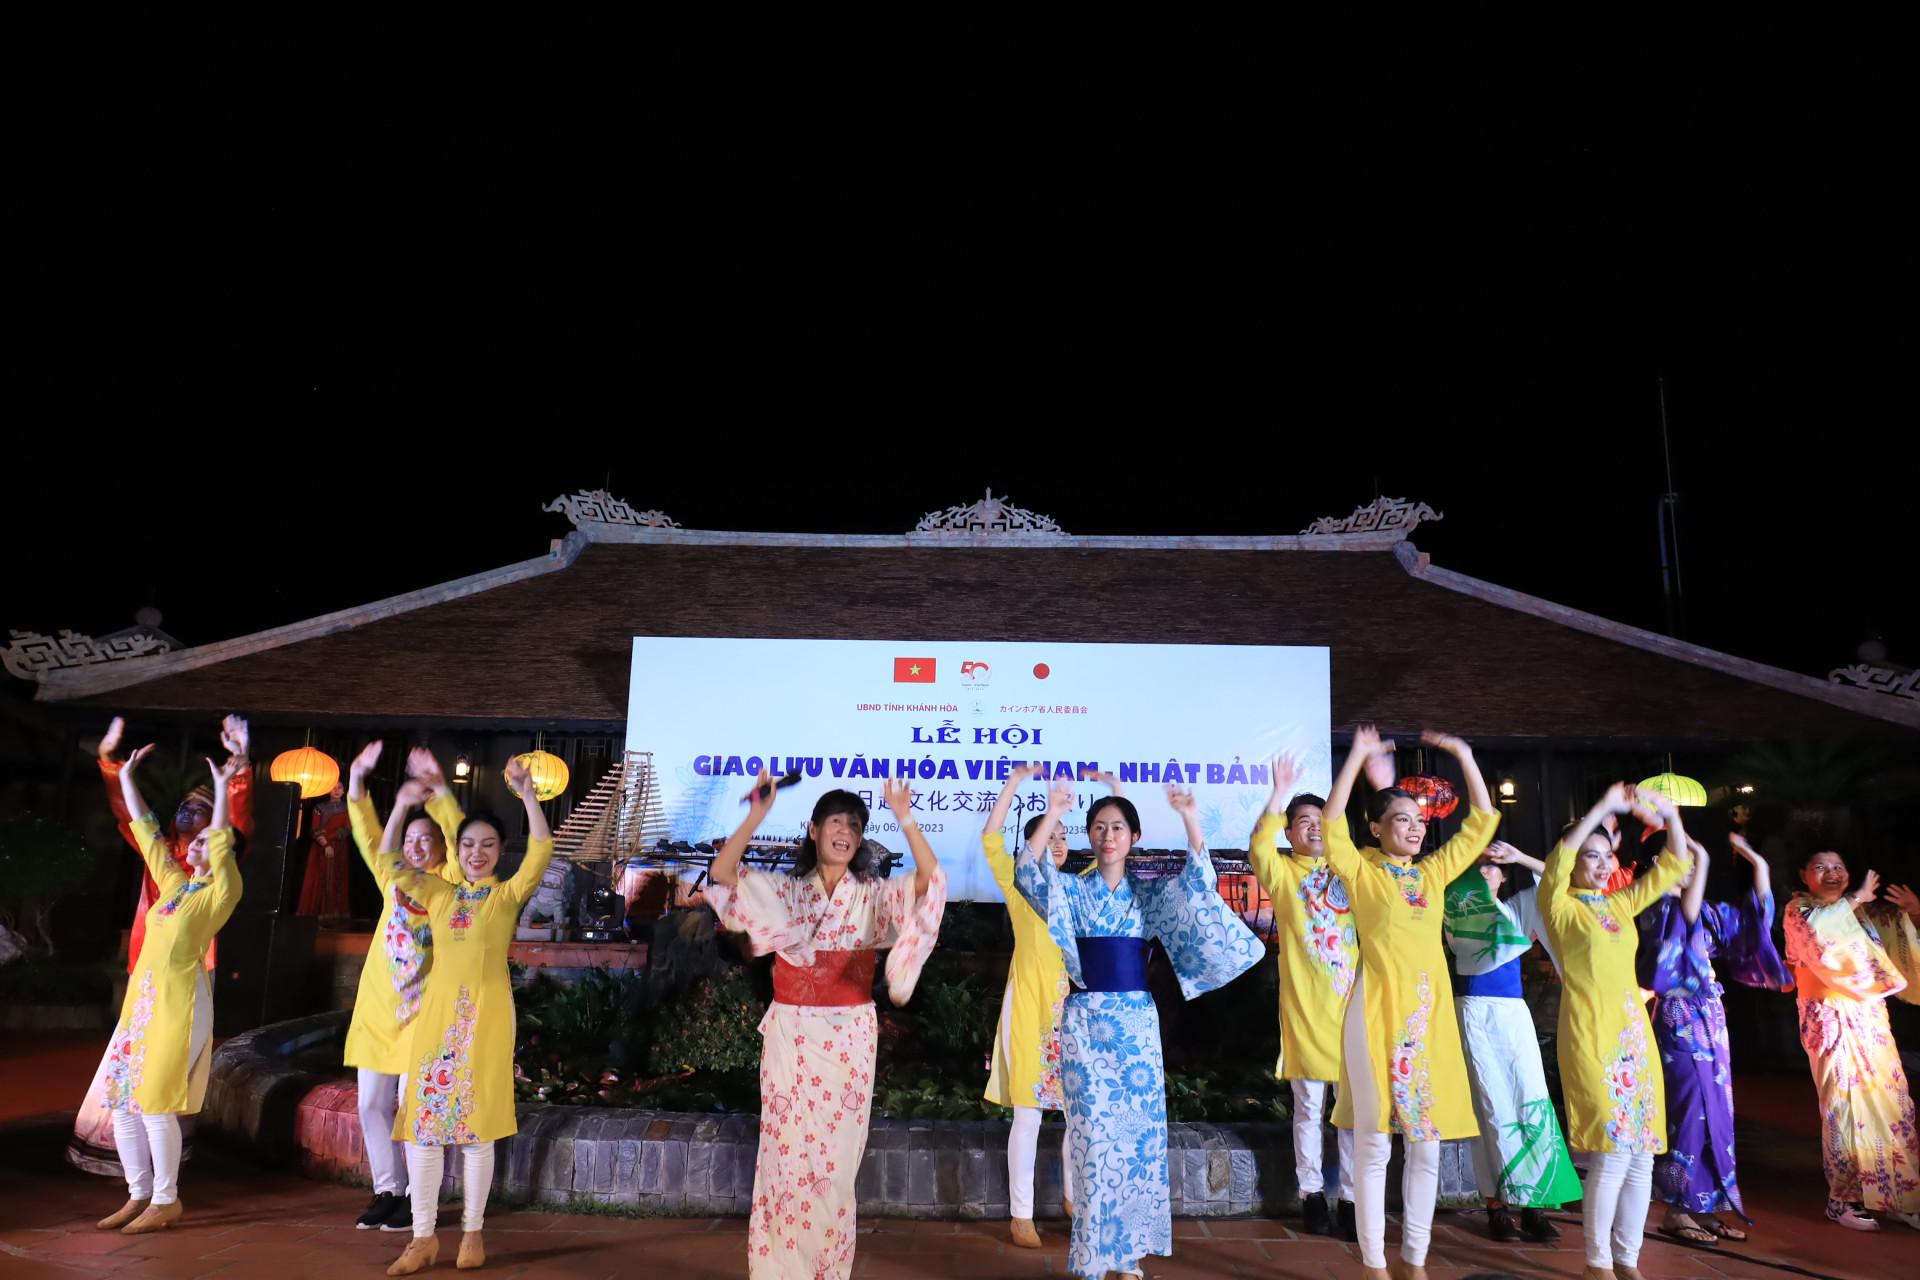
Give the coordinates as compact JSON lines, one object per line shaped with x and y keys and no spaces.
{"x":1850,"y":1217}
{"x":1904,"y":1219}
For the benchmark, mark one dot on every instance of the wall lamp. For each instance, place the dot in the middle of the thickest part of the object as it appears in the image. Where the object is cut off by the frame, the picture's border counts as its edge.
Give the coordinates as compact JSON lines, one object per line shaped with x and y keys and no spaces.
{"x":1509,"y":791}
{"x":462,"y":769}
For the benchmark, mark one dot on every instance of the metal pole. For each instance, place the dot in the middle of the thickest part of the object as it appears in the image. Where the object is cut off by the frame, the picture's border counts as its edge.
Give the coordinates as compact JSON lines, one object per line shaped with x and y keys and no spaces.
{"x":1669,"y":526}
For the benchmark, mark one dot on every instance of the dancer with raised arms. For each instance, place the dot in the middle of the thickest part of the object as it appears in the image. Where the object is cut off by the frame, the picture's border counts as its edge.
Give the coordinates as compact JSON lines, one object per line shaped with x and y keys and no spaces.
{"x":1680,"y":934}
{"x":1520,"y":1159}
{"x":459,"y":1060}
{"x":1111,"y":1074}
{"x":157,"y":1063}
{"x":1402,"y":1068}
{"x":1845,"y":965}
{"x":1024,"y":1071}
{"x":395,"y":976}
{"x":1319,"y":956}
{"x":823,"y":922}
{"x":1615,"y":1105}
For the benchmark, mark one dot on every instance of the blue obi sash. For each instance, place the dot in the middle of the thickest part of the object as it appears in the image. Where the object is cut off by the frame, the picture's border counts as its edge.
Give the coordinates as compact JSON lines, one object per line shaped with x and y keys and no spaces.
{"x":1113,"y":964}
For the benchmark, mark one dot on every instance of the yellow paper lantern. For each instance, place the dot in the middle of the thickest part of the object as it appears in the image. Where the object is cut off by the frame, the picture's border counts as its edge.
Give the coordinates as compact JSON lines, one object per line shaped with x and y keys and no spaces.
{"x":1681,"y":790}
{"x":549,"y":773}
{"x":315,"y":771}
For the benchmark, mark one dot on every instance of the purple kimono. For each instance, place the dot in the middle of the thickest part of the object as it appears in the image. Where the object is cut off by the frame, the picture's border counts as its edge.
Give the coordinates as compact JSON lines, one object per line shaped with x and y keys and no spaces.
{"x":1696,"y":1172}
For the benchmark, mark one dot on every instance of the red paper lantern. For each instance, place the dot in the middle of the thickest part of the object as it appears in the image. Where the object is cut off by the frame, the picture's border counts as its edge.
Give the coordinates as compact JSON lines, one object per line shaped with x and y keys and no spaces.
{"x":1435,"y":796}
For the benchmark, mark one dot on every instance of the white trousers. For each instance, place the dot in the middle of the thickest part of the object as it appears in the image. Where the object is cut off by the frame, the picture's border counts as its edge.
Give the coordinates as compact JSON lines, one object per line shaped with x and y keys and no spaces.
{"x":425,"y":1166}
{"x":1310,"y":1103}
{"x":1614,"y":1209}
{"x":386,"y":1154}
{"x":149,"y":1149}
{"x":1372,"y":1148}
{"x":1022,"y":1145}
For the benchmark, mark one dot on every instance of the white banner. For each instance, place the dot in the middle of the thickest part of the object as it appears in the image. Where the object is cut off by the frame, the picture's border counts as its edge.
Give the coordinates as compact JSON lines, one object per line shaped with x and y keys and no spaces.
{"x":958,"y":716}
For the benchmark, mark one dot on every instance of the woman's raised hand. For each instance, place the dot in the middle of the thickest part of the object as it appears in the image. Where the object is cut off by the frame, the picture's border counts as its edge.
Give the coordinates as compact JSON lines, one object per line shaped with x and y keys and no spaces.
{"x":900,"y":799}
{"x":234,"y":736}
{"x":1740,"y":846}
{"x":1060,"y":796}
{"x":1020,"y":773}
{"x":1502,"y":853}
{"x":139,"y":754}
{"x":424,"y":765}
{"x":1869,"y":888}
{"x":223,"y":773}
{"x":1104,"y":777}
{"x":110,"y":740}
{"x":1182,"y":801}
{"x":363,"y":763}
{"x":520,"y":777}
{"x":1904,"y":898}
{"x":1456,"y":747}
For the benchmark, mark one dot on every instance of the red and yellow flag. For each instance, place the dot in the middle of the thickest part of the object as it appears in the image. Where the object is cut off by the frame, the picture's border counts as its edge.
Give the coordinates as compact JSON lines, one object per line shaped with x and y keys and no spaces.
{"x":913,"y":670}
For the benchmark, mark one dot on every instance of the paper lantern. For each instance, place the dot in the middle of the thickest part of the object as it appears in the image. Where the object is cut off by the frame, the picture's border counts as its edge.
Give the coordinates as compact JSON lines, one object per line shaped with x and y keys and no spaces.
{"x":315,"y":771}
{"x":1435,"y":796}
{"x":549,"y":773}
{"x":1677,"y":788}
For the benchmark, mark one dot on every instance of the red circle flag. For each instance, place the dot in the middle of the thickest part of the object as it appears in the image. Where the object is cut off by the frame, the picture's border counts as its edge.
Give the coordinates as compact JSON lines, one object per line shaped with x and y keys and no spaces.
{"x":1040,"y":671}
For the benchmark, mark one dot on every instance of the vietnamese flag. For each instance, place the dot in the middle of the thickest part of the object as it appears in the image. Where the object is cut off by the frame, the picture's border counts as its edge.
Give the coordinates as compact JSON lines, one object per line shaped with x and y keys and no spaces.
{"x":913,"y":670}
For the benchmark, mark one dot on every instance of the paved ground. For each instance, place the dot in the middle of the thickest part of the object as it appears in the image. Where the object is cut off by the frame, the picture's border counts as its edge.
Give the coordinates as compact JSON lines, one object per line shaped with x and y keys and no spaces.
{"x":243,"y":1223}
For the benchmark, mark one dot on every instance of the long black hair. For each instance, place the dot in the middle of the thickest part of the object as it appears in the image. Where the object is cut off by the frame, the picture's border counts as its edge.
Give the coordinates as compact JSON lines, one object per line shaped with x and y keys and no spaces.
{"x":833,"y":802}
{"x":1127,"y":811}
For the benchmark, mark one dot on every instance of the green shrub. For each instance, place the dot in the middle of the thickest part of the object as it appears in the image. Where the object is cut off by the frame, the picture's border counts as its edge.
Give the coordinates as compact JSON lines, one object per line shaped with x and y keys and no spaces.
{"x":716,"y":1027}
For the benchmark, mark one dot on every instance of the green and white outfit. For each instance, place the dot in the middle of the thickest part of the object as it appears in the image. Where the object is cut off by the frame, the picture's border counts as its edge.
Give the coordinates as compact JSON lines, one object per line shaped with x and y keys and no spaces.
{"x":1520,"y":1156}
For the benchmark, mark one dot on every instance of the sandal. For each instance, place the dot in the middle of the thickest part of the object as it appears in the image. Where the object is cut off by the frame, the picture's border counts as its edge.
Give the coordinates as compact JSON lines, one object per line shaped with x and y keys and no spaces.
{"x":1720,"y":1228}
{"x":1690,"y":1233}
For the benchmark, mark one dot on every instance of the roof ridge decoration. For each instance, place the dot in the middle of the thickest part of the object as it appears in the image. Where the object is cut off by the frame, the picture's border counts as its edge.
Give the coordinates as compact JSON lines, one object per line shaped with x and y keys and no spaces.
{"x":990,"y":515}
{"x":1382,"y":515}
{"x":1896,"y":684}
{"x":31,"y":654}
{"x":602,"y":507}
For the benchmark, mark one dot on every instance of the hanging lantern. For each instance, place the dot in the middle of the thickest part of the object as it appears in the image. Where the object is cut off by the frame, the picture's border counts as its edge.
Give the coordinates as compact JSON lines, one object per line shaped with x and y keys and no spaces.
{"x":315,"y":771}
{"x":549,"y":773}
{"x":1435,"y":796}
{"x":1678,"y":788}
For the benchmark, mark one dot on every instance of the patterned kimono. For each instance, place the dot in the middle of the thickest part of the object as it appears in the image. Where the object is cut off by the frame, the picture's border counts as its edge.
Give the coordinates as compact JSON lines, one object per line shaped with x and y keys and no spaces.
{"x":1696,"y":1172}
{"x":1025,"y":1067}
{"x":1111,"y":1073}
{"x":1612,"y":1088}
{"x":816,"y":1068}
{"x":1319,"y":953}
{"x":1520,"y":1157}
{"x":1844,"y":974}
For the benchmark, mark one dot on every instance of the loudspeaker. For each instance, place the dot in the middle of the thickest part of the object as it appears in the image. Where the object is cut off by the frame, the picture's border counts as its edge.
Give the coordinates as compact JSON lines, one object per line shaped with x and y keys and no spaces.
{"x":269,"y":874}
{"x":266,"y":966}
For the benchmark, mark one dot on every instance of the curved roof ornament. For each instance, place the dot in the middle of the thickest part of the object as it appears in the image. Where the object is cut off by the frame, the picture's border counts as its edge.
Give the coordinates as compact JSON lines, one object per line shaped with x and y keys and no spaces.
{"x":989,"y":515}
{"x":1382,"y":515}
{"x":602,"y":507}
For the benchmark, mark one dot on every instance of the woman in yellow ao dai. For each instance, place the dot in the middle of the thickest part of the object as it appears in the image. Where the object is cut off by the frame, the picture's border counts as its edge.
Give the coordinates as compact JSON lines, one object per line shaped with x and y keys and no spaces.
{"x":159,"y":1058}
{"x":1609,"y":1066}
{"x":459,"y":1090}
{"x":1402,"y":1070}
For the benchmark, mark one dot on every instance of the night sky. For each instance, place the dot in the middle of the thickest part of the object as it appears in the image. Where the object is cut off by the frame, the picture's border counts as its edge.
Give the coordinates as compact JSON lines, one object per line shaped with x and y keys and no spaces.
{"x":298,"y":338}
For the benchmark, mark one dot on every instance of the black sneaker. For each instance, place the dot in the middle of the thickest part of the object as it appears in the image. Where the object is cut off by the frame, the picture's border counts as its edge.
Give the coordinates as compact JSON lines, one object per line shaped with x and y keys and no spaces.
{"x":1343,"y":1222}
{"x":400,"y":1217}
{"x":1537,"y":1228}
{"x":379,"y":1209}
{"x":1314,"y":1206}
{"x":1500,"y":1226}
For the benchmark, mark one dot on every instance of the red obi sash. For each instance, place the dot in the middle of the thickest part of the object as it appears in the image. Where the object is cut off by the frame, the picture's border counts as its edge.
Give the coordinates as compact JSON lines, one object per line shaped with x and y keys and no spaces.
{"x":834,"y":979}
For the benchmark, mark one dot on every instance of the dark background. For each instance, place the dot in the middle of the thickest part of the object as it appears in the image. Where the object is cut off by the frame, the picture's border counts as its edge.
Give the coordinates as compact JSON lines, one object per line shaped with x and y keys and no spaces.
{"x":313,"y":319}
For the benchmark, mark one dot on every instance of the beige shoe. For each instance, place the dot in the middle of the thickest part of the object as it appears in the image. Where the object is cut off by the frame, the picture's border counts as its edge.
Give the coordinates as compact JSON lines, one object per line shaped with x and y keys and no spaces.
{"x":122,"y":1216}
{"x":1597,"y":1273}
{"x":473,"y":1253}
{"x":1023,"y":1233}
{"x":1401,"y":1269}
{"x":1624,"y":1272}
{"x":421,"y":1253}
{"x":155,"y":1217}
{"x":1374,"y":1273}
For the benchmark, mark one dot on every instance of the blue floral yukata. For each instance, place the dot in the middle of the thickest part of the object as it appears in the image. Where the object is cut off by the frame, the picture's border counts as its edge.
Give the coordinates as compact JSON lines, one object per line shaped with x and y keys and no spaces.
{"x":1111,"y":1073}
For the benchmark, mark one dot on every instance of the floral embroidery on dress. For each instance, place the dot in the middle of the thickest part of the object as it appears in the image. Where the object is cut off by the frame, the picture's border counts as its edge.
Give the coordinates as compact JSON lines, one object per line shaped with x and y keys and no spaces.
{"x":469,"y":900}
{"x":1046,"y":1090}
{"x":181,"y":892}
{"x":407,"y":941}
{"x":1630,"y":1090}
{"x":1329,"y":935}
{"x":443,"y":1084}
{"x":1412,"y":884}
{"x":126,"y":1063}
{"x":1597,"y":903}
{"x":1407,"y":1074}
